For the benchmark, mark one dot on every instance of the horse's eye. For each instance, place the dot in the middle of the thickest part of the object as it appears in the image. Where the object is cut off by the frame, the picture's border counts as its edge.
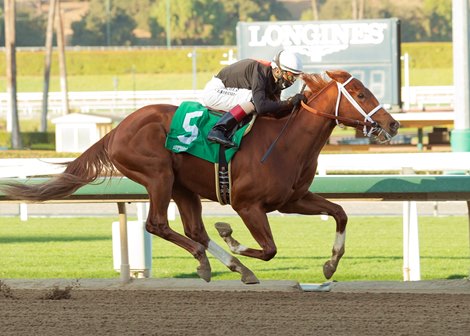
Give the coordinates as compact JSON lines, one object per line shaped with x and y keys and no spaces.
{"x":360,"y":95}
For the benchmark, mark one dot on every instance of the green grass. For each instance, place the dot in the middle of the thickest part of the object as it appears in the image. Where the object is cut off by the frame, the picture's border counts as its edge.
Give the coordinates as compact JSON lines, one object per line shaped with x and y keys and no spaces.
{"x":431,"y":77}
{"x":82,"y":248}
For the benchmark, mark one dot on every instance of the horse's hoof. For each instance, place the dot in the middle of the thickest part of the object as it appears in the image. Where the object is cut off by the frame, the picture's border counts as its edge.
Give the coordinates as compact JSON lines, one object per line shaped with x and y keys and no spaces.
{"x":204,"y":274}
{"x":250,"y":279}
{"x":224,"y":229}
{"x":328,"y":269}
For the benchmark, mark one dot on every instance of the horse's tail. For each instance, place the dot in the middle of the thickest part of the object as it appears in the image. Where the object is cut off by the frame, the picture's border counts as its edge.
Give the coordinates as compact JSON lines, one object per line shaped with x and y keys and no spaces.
{"x":94,"y":162}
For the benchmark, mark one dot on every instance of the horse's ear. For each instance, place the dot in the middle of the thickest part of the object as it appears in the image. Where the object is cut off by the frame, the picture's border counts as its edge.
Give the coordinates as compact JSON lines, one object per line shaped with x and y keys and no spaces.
{"x":340,"y":76}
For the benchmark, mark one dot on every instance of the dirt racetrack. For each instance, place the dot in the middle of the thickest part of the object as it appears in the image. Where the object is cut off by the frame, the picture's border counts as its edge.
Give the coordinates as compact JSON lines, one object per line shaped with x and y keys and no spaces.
{"x":185,"y":311}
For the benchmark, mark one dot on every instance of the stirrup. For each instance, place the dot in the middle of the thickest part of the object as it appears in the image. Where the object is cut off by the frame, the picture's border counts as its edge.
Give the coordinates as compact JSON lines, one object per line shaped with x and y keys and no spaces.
{"x":220,"y":139}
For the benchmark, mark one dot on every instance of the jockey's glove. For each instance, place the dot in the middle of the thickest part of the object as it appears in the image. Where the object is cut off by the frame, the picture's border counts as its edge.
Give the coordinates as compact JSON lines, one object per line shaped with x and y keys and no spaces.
{"x":296,"y":99}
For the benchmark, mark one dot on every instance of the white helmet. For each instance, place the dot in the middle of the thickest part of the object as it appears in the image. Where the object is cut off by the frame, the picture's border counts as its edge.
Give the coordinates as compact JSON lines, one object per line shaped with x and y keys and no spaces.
{"x":289,"y":61}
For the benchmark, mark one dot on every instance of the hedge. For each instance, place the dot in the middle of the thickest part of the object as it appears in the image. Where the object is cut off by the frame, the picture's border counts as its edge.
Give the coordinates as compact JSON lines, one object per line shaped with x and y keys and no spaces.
{"x":118,"y":62}
{"x":176,"y":60}
{"x":31,"y":140}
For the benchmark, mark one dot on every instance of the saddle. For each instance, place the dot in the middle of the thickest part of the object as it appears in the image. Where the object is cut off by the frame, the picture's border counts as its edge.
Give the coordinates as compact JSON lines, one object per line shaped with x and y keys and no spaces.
{"x":188,"y":134}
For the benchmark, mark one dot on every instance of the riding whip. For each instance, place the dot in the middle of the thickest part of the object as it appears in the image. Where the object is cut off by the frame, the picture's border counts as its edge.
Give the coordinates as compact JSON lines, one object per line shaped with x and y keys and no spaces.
{"x":271,"y":147}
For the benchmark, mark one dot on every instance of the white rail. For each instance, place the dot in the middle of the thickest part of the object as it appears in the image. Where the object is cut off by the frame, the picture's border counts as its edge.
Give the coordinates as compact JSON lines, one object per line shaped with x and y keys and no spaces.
{"x":118,"y":102}
{"x":396,"y":162}
{"x":424,"y":96}
{"x":122,"y":102}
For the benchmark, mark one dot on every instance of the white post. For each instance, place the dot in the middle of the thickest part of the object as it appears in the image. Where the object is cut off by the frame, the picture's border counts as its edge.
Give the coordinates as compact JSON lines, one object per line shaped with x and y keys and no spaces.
{"x":23,"y":208}
{"x":406,"y":240}
{"x":125,"y":268}
{"x":415,"y":269}
{"x":406,"y":66}
{"x":142,"y":211}
{"x":411,"y":257}
{"x":23,"y":212}
{"x":460,"y":140}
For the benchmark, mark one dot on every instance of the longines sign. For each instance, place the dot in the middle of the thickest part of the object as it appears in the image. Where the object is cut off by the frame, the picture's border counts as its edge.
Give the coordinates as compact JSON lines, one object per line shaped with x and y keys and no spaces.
{"x":369,"y":49}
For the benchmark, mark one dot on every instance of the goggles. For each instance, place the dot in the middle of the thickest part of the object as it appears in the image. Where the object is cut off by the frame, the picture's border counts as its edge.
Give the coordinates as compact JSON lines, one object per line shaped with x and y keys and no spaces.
{"x":290,"y":76}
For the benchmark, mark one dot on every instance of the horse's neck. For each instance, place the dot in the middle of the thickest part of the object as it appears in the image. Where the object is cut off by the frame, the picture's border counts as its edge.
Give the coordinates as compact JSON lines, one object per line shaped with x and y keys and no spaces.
{"x":313,"y":131}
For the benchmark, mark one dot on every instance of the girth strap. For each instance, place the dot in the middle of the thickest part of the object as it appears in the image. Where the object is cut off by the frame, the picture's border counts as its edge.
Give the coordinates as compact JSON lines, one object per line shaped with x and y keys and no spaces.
{"x":222,"y":178}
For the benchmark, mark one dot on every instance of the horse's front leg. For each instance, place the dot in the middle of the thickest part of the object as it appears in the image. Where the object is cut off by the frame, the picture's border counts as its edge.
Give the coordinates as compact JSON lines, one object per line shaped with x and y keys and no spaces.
{"x":257,"y":223}
{"x":312,"y":204}
{"x":189,"y":205}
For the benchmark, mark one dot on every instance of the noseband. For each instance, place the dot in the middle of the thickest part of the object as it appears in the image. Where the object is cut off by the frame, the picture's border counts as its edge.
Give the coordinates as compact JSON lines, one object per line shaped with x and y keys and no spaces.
{"x":369,"y":126}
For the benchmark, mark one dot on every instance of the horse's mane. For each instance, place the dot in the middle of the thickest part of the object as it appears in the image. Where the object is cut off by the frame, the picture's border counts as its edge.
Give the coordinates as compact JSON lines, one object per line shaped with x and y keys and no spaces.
{"x":315,"y":82}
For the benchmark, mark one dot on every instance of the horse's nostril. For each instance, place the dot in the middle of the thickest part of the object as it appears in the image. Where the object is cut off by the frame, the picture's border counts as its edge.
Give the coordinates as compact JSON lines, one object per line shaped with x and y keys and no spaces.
{"x":395,"y":125}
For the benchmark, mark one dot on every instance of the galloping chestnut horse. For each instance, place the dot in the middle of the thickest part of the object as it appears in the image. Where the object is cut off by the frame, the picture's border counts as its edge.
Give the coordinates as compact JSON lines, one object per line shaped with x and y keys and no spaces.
{"x":136,"y":147}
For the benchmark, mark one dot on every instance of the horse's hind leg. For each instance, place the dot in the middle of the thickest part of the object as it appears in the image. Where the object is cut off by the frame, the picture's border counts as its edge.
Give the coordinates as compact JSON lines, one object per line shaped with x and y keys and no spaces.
{"x":157,"y":224}
{"x":159,"y":186}
{"x":189,"y":206}
{"x":137,"y":150}
{"x":312,"y":204}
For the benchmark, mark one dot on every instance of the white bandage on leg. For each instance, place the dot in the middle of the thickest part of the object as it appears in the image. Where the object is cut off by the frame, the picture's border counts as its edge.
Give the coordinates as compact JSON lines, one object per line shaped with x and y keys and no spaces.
{"x":219,"y":253}
{"x":216,"y":96}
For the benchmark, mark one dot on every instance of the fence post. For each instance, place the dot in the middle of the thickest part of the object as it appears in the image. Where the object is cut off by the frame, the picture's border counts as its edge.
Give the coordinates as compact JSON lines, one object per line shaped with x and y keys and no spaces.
{"x":125,"y":268}
{"x":23,"y":212}
{"x":411,"y":258}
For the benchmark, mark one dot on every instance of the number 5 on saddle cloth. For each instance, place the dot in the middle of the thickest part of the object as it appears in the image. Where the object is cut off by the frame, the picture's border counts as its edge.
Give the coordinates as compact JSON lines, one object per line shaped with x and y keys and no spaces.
{"x":188,"y":134}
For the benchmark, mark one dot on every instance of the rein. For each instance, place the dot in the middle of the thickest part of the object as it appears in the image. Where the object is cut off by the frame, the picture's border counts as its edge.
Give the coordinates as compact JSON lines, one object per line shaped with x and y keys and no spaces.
{"x":344,"y":120}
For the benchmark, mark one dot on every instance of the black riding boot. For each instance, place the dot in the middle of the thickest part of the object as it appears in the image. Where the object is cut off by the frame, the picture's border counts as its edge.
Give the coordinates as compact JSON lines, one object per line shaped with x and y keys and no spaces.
{"x":222,"y":130}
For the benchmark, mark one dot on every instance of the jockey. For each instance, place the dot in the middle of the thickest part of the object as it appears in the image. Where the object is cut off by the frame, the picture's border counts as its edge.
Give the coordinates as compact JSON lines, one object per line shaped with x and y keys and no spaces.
{"x":248,"y":86}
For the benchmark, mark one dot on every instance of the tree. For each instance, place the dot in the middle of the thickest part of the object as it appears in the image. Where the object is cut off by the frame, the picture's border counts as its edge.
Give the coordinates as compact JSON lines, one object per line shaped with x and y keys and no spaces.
{"x":13,"y":124}
{"x":191,"y":21}
{"x":410,"y":13}
{"x":2,"y":24}
{"x":212,"y":22}
{"x":138,"y":9}
{"x":357,"y":9}
{"x":30,"y":29}
{"x":251,"y":10}
{"x":92,"y":29}
{"x":312,"y":13}
{"x":438,"y":23}
{"x":30,"y":26}
{"x":335,"y":10}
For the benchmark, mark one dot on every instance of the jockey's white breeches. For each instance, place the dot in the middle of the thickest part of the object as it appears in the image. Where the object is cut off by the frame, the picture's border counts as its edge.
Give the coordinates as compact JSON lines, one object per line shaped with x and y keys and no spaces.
{"x":216,"y":96}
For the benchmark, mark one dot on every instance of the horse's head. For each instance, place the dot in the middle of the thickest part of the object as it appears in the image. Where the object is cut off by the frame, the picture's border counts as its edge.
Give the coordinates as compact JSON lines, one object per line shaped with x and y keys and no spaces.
{"x":355,"y":105}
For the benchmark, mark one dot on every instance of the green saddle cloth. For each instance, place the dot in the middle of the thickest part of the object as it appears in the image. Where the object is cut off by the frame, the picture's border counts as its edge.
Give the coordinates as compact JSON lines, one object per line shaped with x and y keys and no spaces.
{"x":188,"y":133}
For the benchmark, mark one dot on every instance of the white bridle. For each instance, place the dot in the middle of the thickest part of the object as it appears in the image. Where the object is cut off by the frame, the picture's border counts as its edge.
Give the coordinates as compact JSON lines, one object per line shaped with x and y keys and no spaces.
{"x":367,"y":116}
